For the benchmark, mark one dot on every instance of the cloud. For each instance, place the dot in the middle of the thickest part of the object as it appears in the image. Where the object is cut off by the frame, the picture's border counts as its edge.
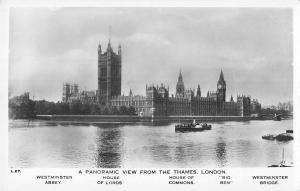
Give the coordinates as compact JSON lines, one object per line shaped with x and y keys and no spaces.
{"x":147,"y":39}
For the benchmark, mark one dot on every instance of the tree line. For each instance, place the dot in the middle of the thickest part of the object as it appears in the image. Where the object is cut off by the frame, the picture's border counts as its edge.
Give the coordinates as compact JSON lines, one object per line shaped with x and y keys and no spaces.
{"x":273,"y":111}
{"x":30,"y":108}
{"x":283,"y":108}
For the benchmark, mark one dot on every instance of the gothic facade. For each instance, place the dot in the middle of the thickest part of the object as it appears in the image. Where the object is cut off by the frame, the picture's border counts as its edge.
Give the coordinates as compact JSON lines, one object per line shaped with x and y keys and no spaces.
{"x":157,"y":101}
{"x":109,"y":74}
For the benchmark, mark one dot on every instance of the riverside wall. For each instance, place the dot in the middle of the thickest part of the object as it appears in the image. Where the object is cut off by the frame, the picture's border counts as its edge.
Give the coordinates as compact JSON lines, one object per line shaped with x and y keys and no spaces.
{"x":135,"y":118}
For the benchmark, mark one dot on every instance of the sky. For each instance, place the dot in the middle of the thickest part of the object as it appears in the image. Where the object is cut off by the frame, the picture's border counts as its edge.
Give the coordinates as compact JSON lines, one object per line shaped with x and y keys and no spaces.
{"x":253,"y":47}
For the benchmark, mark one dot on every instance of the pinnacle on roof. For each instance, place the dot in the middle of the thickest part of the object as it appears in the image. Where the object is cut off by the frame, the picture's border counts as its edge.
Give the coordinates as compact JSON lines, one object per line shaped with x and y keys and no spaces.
{"x":221,"y":78}
{"x":180,"y":76}
{"x":109,"y":45}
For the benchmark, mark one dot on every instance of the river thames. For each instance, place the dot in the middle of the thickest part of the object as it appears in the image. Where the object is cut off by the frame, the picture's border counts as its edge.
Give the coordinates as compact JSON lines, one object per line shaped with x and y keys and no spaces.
{"x":46,"y":144}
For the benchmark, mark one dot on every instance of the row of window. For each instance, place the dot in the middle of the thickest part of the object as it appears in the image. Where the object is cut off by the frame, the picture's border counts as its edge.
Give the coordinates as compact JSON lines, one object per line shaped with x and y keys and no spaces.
{"x":129,"y":103}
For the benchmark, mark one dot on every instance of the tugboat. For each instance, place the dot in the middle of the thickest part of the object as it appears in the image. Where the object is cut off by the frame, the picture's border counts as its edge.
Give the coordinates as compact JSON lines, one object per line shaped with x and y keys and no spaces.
{"x":192,"y":127}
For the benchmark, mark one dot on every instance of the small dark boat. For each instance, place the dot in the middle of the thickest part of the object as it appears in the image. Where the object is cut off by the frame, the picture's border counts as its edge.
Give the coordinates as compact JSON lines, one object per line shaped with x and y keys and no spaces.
{"x":284,"y":137}
{"x":193,"y":127}
{"x":269,"y":137}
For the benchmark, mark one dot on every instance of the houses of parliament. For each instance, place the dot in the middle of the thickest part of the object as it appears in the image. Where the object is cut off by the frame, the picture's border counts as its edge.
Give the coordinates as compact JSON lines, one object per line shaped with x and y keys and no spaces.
{"x":157,"y":101}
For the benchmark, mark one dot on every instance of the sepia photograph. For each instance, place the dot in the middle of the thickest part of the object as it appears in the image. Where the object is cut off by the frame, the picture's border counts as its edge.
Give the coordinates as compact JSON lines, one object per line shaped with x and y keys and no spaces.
{"x":150,"y":87}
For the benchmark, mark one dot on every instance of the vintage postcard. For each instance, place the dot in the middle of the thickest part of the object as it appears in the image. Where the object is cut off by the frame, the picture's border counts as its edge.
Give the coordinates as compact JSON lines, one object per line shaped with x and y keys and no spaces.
{"x":117,"y":98}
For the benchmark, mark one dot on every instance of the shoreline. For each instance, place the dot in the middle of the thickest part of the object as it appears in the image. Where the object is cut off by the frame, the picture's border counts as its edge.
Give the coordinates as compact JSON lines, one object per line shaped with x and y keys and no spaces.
{"x":128,"y":119}
{"x":135,"y":118}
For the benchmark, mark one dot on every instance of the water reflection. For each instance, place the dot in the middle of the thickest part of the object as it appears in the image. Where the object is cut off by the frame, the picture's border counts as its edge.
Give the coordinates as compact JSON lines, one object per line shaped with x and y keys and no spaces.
{"x":221,"y":153}
{"x":161,"y":153}
{"x":109,"y":143}
{"x":180,"y":154}
{"x":180,"y":151}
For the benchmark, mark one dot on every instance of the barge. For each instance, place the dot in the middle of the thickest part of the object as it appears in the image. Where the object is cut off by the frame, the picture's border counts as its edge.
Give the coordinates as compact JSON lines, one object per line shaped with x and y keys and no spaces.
{"x":193,"y":127}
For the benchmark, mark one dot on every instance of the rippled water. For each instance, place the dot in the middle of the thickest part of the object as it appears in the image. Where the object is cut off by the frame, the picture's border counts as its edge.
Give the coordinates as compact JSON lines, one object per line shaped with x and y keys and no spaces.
{"x":228,"y":144}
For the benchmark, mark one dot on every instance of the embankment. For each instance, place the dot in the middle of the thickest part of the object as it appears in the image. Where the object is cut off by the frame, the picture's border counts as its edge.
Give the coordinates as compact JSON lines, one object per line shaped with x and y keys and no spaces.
{"x":135,"y":118}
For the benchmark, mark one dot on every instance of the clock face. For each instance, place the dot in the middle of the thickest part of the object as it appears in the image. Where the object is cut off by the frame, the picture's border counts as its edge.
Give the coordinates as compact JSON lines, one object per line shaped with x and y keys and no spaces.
{"x":220,"y":86}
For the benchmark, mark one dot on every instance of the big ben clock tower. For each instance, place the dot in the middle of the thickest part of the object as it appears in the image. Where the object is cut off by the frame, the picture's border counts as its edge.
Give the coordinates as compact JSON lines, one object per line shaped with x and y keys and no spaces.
{"x":221,"y":88}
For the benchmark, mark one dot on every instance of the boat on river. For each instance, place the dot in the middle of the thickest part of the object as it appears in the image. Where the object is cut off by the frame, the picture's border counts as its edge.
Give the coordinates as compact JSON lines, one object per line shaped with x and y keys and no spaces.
{"x":288,"y":136}
{"x":284,"y":137}
{"x":193,"y":127}
{"x":269,"y":137}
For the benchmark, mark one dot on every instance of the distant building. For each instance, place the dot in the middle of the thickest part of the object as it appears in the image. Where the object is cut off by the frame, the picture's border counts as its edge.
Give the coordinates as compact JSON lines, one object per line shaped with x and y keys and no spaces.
{"x":71,"y":94}
{"x":69,"y":90}
{"x":109,"y":74}
{"x":84,"y":97}
{"x":21,"y":99}
{"x":255,"y":106}
{"x":244,"y":105}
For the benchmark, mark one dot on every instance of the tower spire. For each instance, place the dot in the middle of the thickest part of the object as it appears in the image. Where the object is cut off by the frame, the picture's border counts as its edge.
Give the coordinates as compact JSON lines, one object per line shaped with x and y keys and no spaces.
{"x":99,"y":49}
{"x":180,"y":76}
{"x":180,"y":85}
{"x":109,"y":35}
{"x":109,"y":32}
{"x":119,"y":50}
{"x":198,"y":91}
{"x":221,"y":78}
